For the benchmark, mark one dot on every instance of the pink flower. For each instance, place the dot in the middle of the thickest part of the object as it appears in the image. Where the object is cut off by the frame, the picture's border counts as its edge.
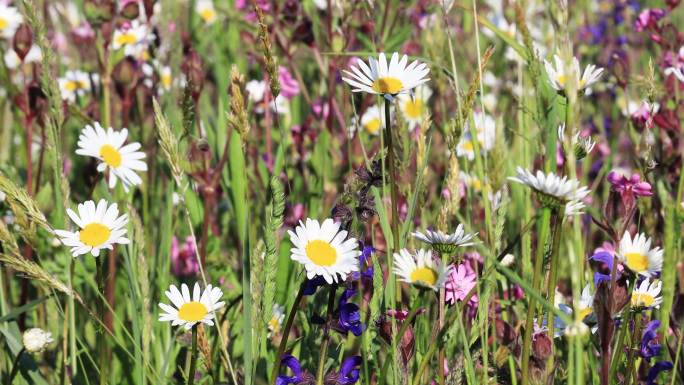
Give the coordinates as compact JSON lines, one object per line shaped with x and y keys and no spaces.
{"x":648,"y":19}
{"x":629,"y":188}
{"x":643,"y":116}
{"x":184,"y":258}
{"x":289,"y":87}
{"x":459,"y":283}
{"x":321,"y":108}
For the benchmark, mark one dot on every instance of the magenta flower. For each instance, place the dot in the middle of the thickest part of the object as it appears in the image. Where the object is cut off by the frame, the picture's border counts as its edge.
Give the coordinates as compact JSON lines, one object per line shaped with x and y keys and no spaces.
{"x":629,"y":188}
{"x":459,"y":283}
{"x":648,"y":19}
{"x":289,"y":87}
{"x":184,"y":258}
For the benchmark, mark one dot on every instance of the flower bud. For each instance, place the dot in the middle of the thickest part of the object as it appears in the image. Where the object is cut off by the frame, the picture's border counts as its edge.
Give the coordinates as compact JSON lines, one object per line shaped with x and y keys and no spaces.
{"x":36,"y":340}
{"x":125,"y":75}
{"x":194,"y":73}
{"x":99,"y":11}
{"x":130,"y":9}
{"x":23,"y":40}
{"x":541,"y":346}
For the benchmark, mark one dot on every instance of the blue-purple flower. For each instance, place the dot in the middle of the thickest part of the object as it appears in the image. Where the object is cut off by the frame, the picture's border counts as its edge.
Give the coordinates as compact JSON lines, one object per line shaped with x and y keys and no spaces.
{"x":649,"y":342}
{"x":656,"y":369}
{"x":299,"y":376}
{"x":348,"y":373}
{"x":349,"y":315}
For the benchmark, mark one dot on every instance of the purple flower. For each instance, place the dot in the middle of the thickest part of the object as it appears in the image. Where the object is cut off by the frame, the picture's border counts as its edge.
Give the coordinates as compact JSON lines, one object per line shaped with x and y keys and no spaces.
{"x":649,"y":342}
{"x":459,"y":283}
{"x":605,"y":259}
{"x":364,"y":260}
{"x":349,"y":373}
{"x":656,"y":369}
{"x":289,"y":87}
{"x":629,"y":188}
{"x":184,"y":258}
{"x":648,"y":19}
{"x":349,"y":315}
{"x":300,"y":376}
{"x":311,"y":285}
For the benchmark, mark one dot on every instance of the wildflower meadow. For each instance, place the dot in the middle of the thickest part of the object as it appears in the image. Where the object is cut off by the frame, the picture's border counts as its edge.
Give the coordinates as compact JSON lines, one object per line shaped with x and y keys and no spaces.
{"x":339,"y":192}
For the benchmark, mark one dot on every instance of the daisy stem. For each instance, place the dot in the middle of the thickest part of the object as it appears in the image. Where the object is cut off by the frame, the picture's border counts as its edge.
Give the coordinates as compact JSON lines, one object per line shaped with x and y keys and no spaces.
{"x":286,"y":332}
{"x":193,"y":357}
{"x":326,"y":335}
{"x":544,"y":221}
{"x":394,"y":188}
{"x":557,"y":215}
{"x":635,"y":337}
{"x":15,"y":366}
{"x":620,"y":339}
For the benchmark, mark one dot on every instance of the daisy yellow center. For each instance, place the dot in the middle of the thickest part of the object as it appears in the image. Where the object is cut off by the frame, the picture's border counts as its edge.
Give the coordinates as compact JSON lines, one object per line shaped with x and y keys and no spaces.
{"x":413,"y":108}
{"x":387,"y":85}
{"x":642,"y":299}
{"x":166,"y":80}
{"x":468,"y":146}
{"x":373,"y":126}
{"x":192,"y":311}
{"x":110,"y":155}
{"x":636,"y":261}
{"x":3,"y":23}
{"x":584,"y":312}
{"x":73,"y":85}
{"x":94,"y":234}
{"x":208,"y":15}
{"x":425,"y":275}
{"x":321,"y":253}
{"x":126,"y":38}
{"x":581,"y":83}
{"x":561,"y":79}
{"x":477,"y":185}
{"x":274,"y":324}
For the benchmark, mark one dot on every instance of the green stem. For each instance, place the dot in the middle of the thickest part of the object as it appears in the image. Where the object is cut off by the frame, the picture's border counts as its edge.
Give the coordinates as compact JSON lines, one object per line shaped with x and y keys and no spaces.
{"x":635,"y":338}
{"x":15,"y":367}
{"x":553,"y":274}
{"x":544,"y":221}
{"x":326,"y":336}
{"x":394,"y":188}
{"x":286,"y":333}
{"x":193,"y":357}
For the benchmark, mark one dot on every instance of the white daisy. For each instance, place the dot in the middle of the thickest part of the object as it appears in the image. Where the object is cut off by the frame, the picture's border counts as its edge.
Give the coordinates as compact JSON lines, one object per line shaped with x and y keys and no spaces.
{"x":74,"y":83}
{"x":551,"y":186}
{"x":414,"y":107}
{"x":206,"y":10}
{"x":446,"y":243}
{"x":324,"y":250}
{"x":470,"y":181}
{"x":485,"y":127}
{"x":559,"y":78}
{"x":132,"y":37}
{"x":421,"y":270}
{"x":188,"y":311}
{"x":586,"y":303}
{"x":373,"y":120}
{"x":573,"y":208}
{"x":10,"y":19}
{"x":379,"y":78}
{"x":107,"y":146}
{"x":638,"y":256}
{"x":276,"y":321}
{"x":101,"y":227}
{"x":647,"y":294}
{"x":36,"y":340}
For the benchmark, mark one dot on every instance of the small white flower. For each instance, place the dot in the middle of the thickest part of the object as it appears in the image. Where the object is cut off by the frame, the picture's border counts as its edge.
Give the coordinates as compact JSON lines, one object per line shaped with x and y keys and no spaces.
{"x":324,"y":250}
{"x":12,"y":60}
{"x":373,"y":120}
{"x":551,"y":185}
{"x":421,"y":269}
{"x":380,"y":78}
{"x":101,"y":227}
{"x":508,"y":260}
{"x":576,"y":329}
{"x":586,"y":303}
{"x":10,"y":19}
{"x":446,"y":243}
{"x":638,"y":256}
{"x":132,"y":37}
{"x":559,"y":77}
{"x":108,"y":146}
{"x":485,"y":127}
{"x":647,"y":295}
{"x":36,"y":340}
{"x":187,"y":310}
{"x":73,"y":84}
{"x":276,"y":321}
{"x":414,"y":106}
{"x":206,"y":10}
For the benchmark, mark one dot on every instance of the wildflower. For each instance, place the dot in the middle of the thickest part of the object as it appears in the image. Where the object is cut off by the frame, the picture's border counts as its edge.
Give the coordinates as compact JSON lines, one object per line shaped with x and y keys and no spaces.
{"x":629,"y":188}
{"x":364,"y":260}
{"x":638,"y":256}
{"x":647,"y":295}
{"x":348,"y":373}
{"x":414,"y":107}
{"x":373,"y":120}
{"x":573,"y":208}
{"x":188,"y":311}
{"x":73,"y":84}
{"x":132,"y":37}
{"x":36,"y":340}
{"x":559,"y":78}
{"x":387,"y":80}
{"x":101,"y":227}
{"x":649,"y":342}
{"x":205,"y":9}
{"x":184,"y":258}
{"x":421,"y":269}
{"x":485,"y":127}
{"x":446,"y":243}
{"x":324,"y":250}
{"x":13,"y":61}
{"x":508,"y":260}
{"x":605,"y":259}
{"x":551,"y":189}
{"x":276,"y":321}
{"x":575,"y":329}
{"x":655,"y":370}
{"x":349,"y":314}
{"x":106,"y":146}
{"x":586,"y":303}
{"x":10,"y":19}
{"x":459,"y":283}
{"x":300,"y":376}
{"x":648,"y":19}
{"x":289,"y":87}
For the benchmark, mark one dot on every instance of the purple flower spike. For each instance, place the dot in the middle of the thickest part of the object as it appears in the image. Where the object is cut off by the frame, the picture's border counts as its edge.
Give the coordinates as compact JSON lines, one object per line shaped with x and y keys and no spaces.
{"x":350,"y":316}
{"x":649,"y":342}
